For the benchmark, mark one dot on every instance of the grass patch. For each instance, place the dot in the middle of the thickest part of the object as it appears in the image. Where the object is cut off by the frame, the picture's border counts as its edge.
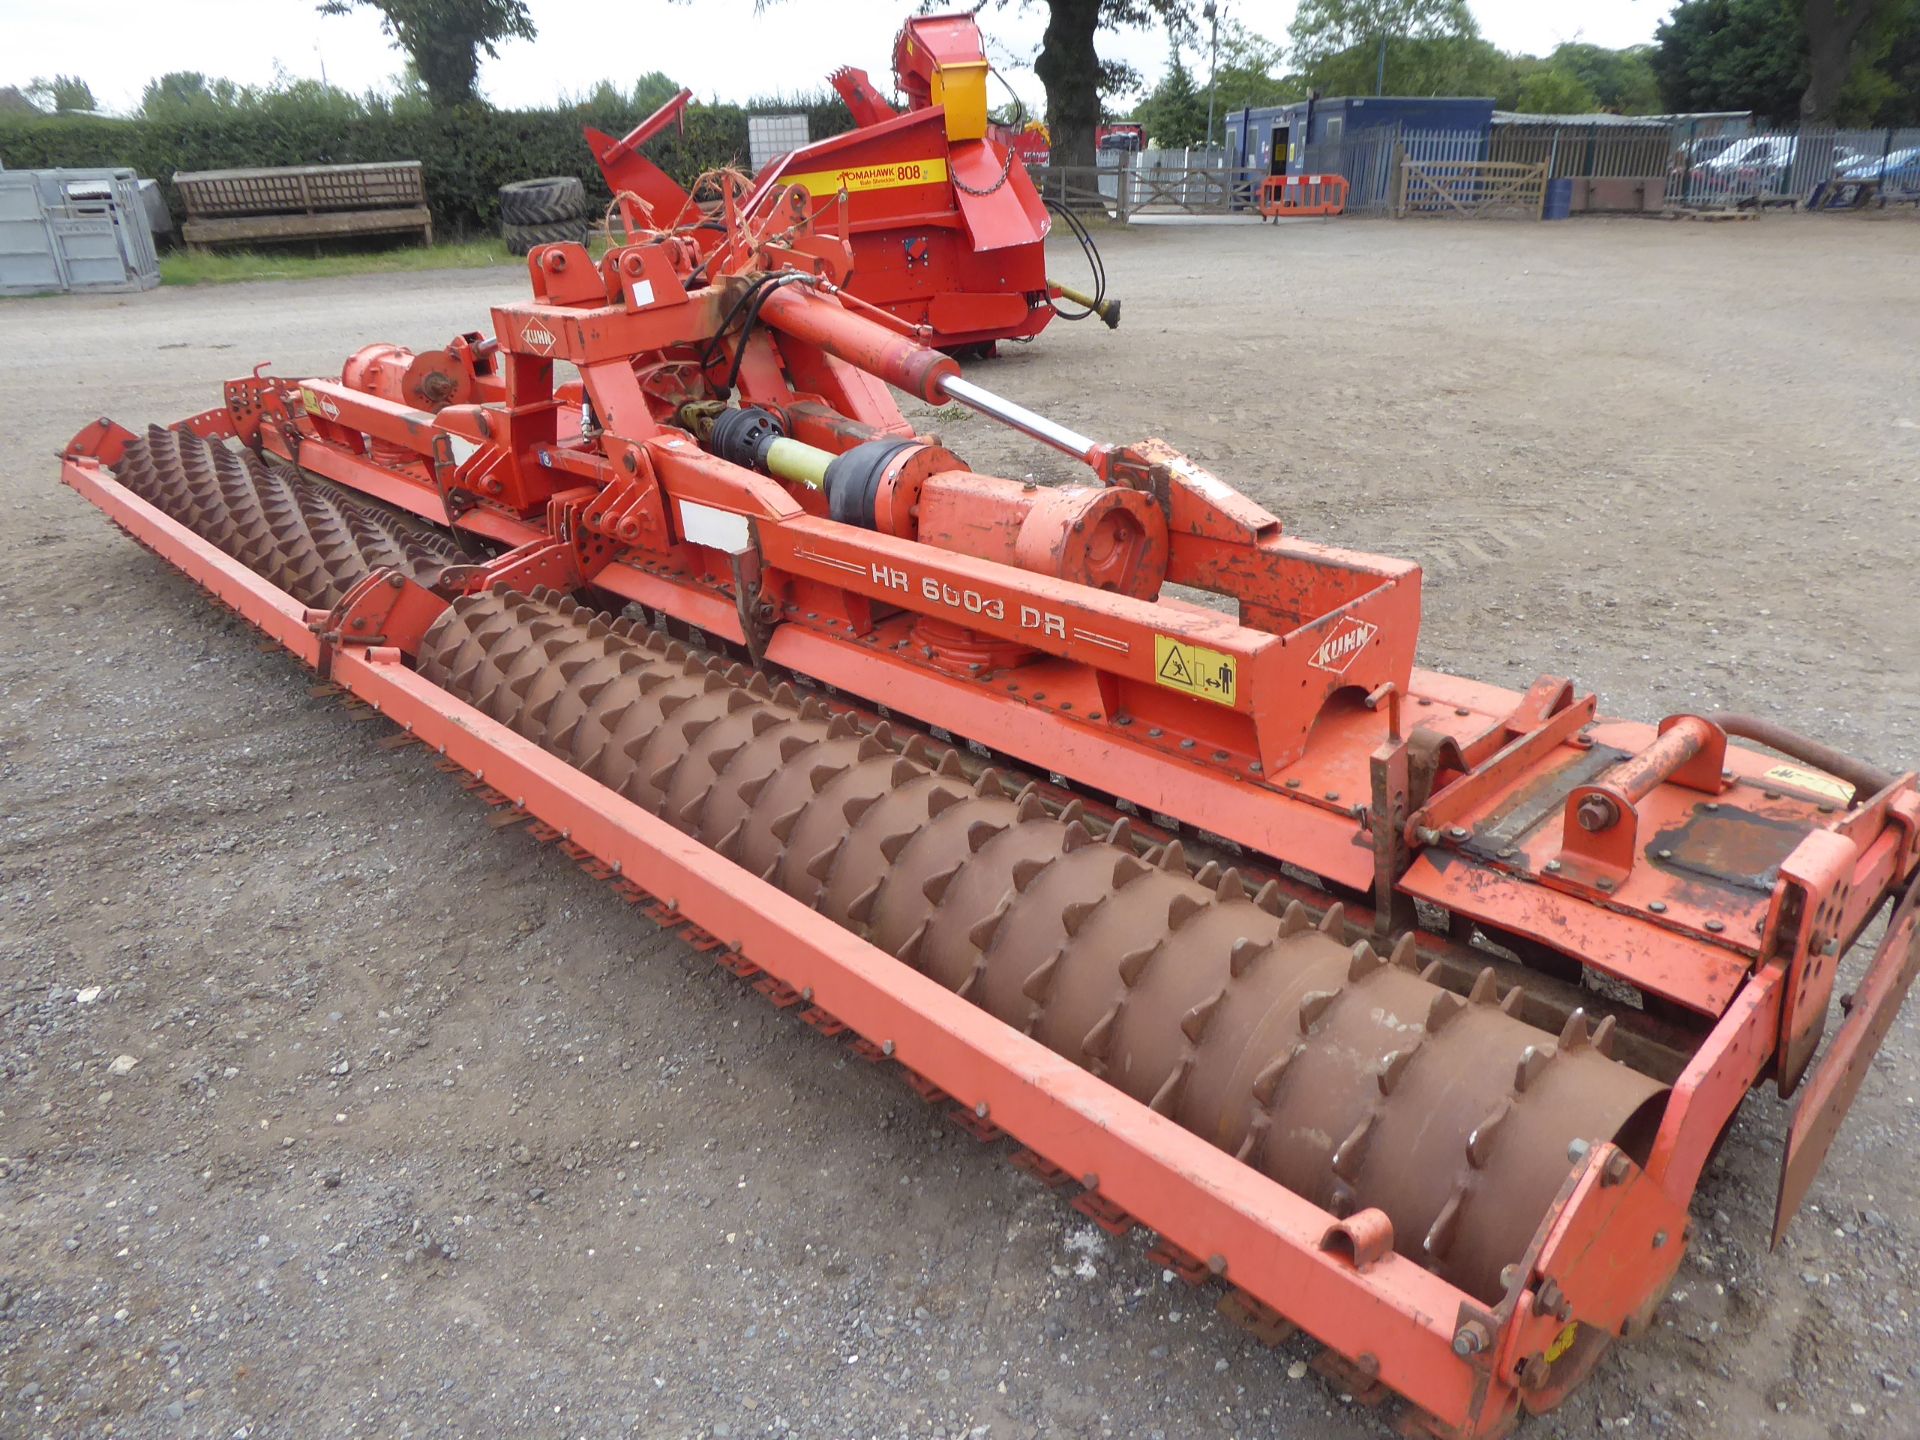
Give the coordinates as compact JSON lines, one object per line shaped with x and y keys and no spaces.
{"x":224,"y":267}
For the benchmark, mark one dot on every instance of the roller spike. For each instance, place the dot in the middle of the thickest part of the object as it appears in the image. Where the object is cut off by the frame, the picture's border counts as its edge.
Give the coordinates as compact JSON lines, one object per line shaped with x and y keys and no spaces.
{"x":922,"y":749}
{"x":1076,"y":914}
{"x":785,"y":695}
{"x":1039,"y":984}
{"x":673,"y":703}
{"x":792,"y":746}
{"x":857,"y":807}
{"x":1393,"y":1067}
{"x":1244,"y":952}
{"x":1183,"y":908}
{"x":749,"y":791}
{"x":758,"y":687}
{"x":909,"y":950}
{"x":1029,"y":807}
{"x":1267,"y":897}
{"x":861,"y":910}
{"x":1031,"y":788}
{"x":738,"y":700}
{"x":1074,"y":810}
{"x":591,"y":692}
{"x":936,"y":888}
{"x":1432,"y":972}
{"x":821,"y":776}
{"x":662,"y":779}
{"x":563,"y":742}
{"x":1439,"y":1237}
{"x":1134,"y":963}
{"x":736,"y":673}
{"x":1120,"y":834}
{"x":1334,"y":922}
{"x":1194,"y":1023}
{"x":1208,"y":874}
{"x":1026,"y":872}
{"x":1513,"y":1000}
{"x":1486,"y":989}
{"x":1406,"y":954}
{"x":1171,"y":857}
{"x":1267,"y":1083}
{"x":951,"y":767}
{"x":1446,"y":1005}
{"x":1099,"y":1040}
{"x":729,"y":845}
{"x":883,"y":732}
{"x":1313,"y":1005}
{"x":1480,"y":1141}
{"x":870,"y":749}
{"x":1075,"y":838}
{"x":676,"y":651}
{"x":1128,"y":869}
{"x":1533,"y":1060}
{"x":1230,"y":887}
{"x":650,"y":681}
{"x":891,"y":847}
{"x":1363,"y":960}
{"x":821,"y":865}
{"x":783,"y":827}
{"x":1603,"y":1036}
{"x":974,"y":977}
{"x":989,"y":782}
{"x":981,"y":935}
{"x":941,"y":798}
{"x":687,"y":817}
{"x":902,"y":772}
{"x":718,"y":760}
{"x":694,"y":729}
{"x":764,"y":721}
{"x":980,"y":832}
{"x":1574,"y":1035}
{"x":1295,"y":920}
{"x":1352,"y":1151}
{"x":814,"y":708}
{"x":1168,"y":1095}
{"x":570,"y":668}
{"x":842,"y":727}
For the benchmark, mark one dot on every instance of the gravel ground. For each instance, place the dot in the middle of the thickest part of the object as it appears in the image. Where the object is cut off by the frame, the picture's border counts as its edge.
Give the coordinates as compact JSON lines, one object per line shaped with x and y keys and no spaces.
{"x":425,"y":1134}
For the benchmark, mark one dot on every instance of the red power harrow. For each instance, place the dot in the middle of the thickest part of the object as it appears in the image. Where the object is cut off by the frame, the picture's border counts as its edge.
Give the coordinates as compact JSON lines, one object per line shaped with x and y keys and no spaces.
{"x":1405,"y":1008}
{"x":947,"y":230}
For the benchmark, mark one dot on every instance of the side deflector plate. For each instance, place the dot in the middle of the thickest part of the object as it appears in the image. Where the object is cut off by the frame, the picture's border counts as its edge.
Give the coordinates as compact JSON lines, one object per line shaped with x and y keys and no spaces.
{"x":1830,"y":1092}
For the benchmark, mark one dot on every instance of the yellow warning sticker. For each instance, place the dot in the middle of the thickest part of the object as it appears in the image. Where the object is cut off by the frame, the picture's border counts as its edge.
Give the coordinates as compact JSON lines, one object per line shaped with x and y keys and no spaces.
{"x":1563,"y":1342}
{"x":1812,"y":782}
{"x":889,"y":176}
{"x":1195,"y":669}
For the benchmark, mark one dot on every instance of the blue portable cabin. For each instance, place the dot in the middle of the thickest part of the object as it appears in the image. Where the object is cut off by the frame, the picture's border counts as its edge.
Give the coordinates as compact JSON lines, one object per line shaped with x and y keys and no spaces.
{"x":1273,"y":138}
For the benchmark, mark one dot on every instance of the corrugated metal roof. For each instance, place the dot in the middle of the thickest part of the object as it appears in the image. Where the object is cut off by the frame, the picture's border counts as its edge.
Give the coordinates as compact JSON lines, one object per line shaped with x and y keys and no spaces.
{"x":1624,"y":122}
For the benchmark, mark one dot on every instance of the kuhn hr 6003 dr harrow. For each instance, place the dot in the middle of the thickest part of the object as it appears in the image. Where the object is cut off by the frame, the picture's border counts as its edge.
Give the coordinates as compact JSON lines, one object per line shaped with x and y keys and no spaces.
{"x":1405,"y":1008}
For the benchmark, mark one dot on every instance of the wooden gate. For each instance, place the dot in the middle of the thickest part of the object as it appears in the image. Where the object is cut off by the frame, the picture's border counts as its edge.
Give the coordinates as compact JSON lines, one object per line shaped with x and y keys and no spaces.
{"x":1474,"y":188}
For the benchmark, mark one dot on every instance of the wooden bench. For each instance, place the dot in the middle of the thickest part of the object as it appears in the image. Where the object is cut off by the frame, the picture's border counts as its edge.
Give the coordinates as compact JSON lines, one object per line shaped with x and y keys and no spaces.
{"x":303,"y":202}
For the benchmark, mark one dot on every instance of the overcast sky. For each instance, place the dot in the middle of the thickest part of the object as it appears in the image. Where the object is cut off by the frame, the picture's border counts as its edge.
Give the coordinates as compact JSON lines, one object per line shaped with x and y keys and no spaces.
{"x":717,"y":47}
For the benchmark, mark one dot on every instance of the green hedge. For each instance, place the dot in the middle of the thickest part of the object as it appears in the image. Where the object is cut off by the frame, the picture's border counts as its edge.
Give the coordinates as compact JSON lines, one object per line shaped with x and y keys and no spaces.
{"x":467,"y":153}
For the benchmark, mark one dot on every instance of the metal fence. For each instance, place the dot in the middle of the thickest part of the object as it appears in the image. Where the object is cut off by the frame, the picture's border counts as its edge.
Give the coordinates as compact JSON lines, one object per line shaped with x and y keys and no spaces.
{"x":1583,"y":150}
{"x":1814,"y":166}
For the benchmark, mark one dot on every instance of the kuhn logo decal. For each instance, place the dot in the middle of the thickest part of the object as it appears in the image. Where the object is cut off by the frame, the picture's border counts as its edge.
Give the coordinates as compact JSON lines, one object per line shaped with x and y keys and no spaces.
{"x":1347,"y":640}
{"x":536,"y":338}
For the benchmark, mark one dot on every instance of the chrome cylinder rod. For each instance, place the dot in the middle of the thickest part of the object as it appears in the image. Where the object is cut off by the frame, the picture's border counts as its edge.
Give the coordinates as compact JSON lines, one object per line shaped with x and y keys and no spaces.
{"x":1018,"y":417}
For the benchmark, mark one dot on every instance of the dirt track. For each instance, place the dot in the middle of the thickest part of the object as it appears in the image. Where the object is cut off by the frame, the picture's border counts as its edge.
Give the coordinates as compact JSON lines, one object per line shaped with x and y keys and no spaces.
{"x":431,"y":1136}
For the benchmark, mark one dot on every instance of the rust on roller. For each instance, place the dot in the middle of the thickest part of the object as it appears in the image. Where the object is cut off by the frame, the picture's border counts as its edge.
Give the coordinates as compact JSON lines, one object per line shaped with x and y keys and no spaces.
{"x":1347,"y":1075}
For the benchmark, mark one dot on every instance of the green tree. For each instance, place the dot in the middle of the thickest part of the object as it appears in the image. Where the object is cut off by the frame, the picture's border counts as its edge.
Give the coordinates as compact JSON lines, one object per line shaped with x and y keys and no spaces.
{"x":1835,"y":32}
{"x":1251,"y":72}
{"x":1552,"y":90}
{"x":180,"y":91}
{"x":63,"y":94}
{"x":1620,"y":80}
{"x":1732,"y":55}
{"x":14,"y":101}
{"x":1324,"y":30}
{"x":445,"y":38}
{"x":1075,"y":77}
{"x":654,"y":89}
{"x":1175,"y":114}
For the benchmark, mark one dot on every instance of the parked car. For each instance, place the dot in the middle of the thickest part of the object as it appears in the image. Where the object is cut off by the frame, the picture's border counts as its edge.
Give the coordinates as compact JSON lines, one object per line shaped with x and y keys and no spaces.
{"x":1764,"y":164}
{"x":1896,"y":170}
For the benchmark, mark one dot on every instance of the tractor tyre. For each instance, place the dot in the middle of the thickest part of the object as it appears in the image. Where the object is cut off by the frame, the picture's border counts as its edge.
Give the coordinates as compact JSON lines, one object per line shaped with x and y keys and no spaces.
{"x":522,"y":238}
{"x":546,"y":201}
